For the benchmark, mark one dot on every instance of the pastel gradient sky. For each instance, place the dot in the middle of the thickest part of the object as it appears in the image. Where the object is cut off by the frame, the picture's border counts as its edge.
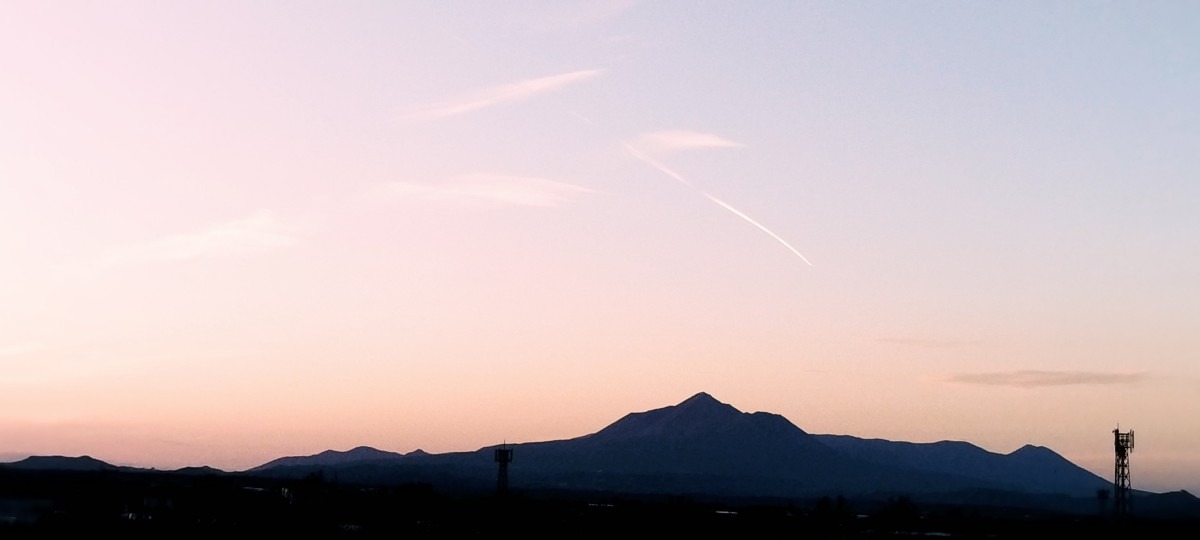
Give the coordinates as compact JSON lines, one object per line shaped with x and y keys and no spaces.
{"x":232,"y":231}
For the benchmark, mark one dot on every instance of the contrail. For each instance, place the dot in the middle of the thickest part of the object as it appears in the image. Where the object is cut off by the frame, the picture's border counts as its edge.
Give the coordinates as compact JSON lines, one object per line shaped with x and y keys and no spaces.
{"x":760,"y":226}
{"x":654,"y":163}
{"x":641,"y":156}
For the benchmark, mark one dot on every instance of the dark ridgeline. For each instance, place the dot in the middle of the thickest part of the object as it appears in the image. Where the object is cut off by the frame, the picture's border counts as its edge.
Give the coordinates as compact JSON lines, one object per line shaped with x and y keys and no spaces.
{"x":333,"y":458}
{"x":1033,"y":469}
{"x":700,"y":466}
{"x":61,"y":463}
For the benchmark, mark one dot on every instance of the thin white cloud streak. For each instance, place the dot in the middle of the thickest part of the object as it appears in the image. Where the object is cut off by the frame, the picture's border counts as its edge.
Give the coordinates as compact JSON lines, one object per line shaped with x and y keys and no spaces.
{"x":641,"y":156}
{"x":1030,"y":378}
{"x":488,"y":189}
{"x":656,"y":164}
{"x":582,"y":118}
{"x":506,"y":93}
{"x":757,"y":224}
{"x":261,"y":231}
{"x":679,"y":139}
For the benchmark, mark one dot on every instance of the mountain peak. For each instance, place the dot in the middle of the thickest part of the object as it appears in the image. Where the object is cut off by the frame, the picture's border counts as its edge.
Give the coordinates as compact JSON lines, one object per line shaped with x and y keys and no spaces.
{"x":700,"y":396}
{"x":697,"y":414}
{"x":364,"y":450}
{"x":702,"y":408}
{"x":1031,"y":450}
{"x":705,"y":401}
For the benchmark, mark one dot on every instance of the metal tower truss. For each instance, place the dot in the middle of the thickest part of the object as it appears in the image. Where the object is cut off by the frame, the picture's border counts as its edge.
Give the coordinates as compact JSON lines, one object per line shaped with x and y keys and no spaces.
{"x":1122,"y":490}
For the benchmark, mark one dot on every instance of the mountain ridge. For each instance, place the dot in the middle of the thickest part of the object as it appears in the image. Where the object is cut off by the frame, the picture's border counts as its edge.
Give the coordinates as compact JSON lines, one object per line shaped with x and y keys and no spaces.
{"x":333,"y":457}
{"x":62,"y":463}
{"x":701,"y":445}
{"x":1031,"y":468}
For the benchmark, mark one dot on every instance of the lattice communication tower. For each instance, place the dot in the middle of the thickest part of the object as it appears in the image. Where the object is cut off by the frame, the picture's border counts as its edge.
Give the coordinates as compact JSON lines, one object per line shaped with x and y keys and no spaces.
{"x":1122,"y":491}
{"x":503,"y":458}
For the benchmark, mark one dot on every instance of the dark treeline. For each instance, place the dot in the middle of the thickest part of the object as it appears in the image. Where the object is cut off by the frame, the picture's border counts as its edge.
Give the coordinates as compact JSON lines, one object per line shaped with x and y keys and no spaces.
{"x":159,"y":504}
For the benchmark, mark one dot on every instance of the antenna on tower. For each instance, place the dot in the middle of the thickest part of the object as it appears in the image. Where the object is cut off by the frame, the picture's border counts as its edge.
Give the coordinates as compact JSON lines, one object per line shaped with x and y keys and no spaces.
{"x":504,"y":456}
{"x":1122,"y":491}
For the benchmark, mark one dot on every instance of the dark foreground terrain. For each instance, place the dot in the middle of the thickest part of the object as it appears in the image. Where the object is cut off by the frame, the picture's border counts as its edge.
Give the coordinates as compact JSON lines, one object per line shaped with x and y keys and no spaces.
{"x":153,"y":504}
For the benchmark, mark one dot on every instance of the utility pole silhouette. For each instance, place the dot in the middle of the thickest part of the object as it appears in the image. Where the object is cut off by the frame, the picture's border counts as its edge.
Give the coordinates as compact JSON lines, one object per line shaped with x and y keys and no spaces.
{"x":1122,"y":491}
{"x":504,"y":456}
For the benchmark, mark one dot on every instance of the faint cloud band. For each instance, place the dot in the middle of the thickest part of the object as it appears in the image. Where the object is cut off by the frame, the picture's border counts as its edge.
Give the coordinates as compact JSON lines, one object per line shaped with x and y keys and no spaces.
{"x":1029,"y":378}
{"x":680,"y":139}
{"x":487,"y":189}
{"x":926,"y":342}
{"x":258,"y":232}
{"x":505,"y":93}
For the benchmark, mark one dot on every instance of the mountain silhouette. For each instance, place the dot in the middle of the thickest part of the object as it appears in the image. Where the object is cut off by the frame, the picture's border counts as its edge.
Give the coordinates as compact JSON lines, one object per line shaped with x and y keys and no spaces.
{"x":202,"y":470}
{"x":700,"y":436}
{"x":332,"y":458}
{"x":1033,"y":469}
{"x":1171,"y":505}
{"x":61,"y":463}
{"x":702,"y":447}
{"x":695,"y":415}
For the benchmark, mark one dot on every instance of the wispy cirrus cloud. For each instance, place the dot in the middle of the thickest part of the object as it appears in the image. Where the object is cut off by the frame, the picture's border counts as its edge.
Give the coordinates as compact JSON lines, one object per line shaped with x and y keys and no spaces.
{"x":1030,"y":378}
{"x":487,"y":189}
{"x":679,"y":139}
{"x":502,"y":94}
{"x":658,"y":165}
{"x":258,"y":232}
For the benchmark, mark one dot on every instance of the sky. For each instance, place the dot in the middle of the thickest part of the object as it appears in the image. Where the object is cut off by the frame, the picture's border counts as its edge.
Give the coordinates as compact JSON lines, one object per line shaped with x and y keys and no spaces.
{"x":232,"y":231}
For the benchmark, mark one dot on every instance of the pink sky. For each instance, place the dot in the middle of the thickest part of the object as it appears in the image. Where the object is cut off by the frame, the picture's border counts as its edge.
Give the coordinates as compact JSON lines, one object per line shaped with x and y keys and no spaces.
{"x":232,"y":232}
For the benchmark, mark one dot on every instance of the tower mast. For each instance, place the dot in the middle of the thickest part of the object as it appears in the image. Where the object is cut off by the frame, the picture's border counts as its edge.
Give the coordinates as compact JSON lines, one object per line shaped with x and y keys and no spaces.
{"x":1122,"y":491}
{"x":504,"y":456}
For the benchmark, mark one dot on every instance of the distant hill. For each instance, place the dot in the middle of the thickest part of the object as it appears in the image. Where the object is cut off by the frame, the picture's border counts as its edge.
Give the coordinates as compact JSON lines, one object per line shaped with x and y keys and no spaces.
{"x":331,"y":458}
{"x":91,"y":464}
{"x":1173,"y":505}
{"x":1033,"y":469}
{"x":199,"y":471}
{"x":61,"y":463}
